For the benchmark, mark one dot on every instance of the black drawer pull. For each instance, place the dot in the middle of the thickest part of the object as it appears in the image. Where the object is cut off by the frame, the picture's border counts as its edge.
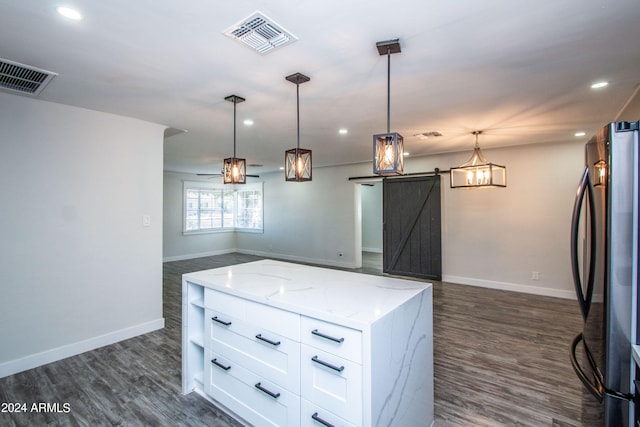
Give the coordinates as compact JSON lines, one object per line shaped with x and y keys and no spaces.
{"x":220,"y":365}
{"x":327,"y":364}
{"x":320,"y":334}
{"x":317,"y":418}
{"x":269,"y":392}
{"x":215,"y":319}
{"x":260,"y":337}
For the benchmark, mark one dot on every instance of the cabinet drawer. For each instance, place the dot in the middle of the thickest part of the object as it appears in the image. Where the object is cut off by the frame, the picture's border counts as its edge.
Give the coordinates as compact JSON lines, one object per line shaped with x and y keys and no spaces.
{"x":260,"y":402}
{"x":279,"y":321}
{"x":272,"y":356}
{"x":335,"y":339}
{"x":311,"y":415}
{"x":332,"y":382}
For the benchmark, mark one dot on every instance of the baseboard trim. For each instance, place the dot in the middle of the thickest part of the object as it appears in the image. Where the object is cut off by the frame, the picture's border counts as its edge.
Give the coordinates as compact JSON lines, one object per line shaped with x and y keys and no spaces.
{"x":38,"y":359}
{"x":505,"y":286}
{"x":198,"y":255}
{"x":374,"y":250}
{"x":491,"y":284}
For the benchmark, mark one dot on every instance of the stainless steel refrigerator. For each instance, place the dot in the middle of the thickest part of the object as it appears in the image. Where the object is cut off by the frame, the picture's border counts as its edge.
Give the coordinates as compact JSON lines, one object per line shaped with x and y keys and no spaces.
{"x":604,"y":254}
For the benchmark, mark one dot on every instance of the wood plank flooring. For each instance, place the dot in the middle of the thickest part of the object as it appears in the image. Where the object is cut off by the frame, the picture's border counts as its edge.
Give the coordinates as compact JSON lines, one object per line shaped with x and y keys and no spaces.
{"x":500,"y":359}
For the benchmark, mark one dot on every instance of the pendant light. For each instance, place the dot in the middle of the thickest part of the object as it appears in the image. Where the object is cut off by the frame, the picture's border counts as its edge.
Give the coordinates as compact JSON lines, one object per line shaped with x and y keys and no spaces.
{"x":478,"y":172}
{"x":297,"y":161}
{"x":388,"y":148}
{"x":234,"y":170}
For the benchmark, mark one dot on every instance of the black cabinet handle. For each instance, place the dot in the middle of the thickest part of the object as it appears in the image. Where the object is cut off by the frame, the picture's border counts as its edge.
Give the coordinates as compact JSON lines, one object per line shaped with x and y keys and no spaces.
{"x":327,"y":364}
{"x":269,"y":392}
{"x":215,"y":319}
{"x":220,"y":365}
{"x":317,"y":418}
{"x":267,"y":340}
{"x":320,"y":334}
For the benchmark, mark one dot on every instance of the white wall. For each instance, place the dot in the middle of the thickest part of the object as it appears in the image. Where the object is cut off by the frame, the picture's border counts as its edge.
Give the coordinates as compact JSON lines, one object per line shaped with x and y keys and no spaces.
{"x":77,"y":268}
{"x":309,"y":221}
{"x":371,"y":199}
{"x":176,"y":245}
{"x":498,"y":237}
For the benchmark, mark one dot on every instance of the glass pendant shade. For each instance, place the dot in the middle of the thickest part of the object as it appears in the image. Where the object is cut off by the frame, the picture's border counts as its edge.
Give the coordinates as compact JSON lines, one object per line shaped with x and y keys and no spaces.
{"x":478,"y":172}
{"x":297,"y":161}
{"x":297,"y":165}
{"x":388,"y":154}
{"x":234,"y":171}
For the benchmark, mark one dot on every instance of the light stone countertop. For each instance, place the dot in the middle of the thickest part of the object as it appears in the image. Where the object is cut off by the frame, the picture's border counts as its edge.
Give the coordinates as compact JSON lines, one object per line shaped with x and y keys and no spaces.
{"x":348,"y":298}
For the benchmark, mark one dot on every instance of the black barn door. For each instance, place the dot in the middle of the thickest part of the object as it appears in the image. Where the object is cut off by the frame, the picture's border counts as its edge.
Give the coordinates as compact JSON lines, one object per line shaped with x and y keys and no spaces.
{"x":411,"y":227}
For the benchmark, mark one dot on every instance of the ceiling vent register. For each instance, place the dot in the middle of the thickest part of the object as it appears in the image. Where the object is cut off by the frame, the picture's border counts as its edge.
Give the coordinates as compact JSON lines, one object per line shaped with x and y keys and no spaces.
{"x":23,"y":79}
{"x":260,"y":33}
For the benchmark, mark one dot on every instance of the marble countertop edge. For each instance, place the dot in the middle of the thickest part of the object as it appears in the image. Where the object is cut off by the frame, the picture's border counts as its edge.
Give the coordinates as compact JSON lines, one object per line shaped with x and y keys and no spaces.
{"x":354,"y":299}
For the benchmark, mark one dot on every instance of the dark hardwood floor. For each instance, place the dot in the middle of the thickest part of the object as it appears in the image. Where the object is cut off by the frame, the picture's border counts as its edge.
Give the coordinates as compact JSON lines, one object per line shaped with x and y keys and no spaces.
{"x":500,"y":359}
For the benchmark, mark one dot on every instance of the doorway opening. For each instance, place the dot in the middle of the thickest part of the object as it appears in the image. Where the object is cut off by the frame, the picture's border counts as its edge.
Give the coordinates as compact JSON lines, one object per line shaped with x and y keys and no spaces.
{"x":399,"y":226}
{"x":371,"y":239}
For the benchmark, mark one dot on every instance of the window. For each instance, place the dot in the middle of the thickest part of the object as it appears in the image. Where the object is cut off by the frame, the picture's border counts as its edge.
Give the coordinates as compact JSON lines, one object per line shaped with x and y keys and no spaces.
{"x":212,"y":207}
{"x":249,"y":209}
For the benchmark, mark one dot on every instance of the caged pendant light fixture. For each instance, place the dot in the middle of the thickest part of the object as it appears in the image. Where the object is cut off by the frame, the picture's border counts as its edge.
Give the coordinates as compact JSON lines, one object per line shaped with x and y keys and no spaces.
{"x":478,"y":172}
{"x":297,"y":161}
{"x":388,"y":148}
{"x":234,"y":170}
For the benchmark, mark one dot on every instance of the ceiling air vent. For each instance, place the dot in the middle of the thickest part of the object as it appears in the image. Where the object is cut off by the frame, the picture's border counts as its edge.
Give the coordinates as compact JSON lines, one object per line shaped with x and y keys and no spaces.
{"x":260,"y":33}
{"x":24,"y":79}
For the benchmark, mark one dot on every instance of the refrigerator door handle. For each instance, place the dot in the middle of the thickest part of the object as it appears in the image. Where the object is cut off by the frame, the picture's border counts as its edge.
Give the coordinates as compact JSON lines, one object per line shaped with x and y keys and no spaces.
{"x":595,"y":387}
{"x":585,"y":188}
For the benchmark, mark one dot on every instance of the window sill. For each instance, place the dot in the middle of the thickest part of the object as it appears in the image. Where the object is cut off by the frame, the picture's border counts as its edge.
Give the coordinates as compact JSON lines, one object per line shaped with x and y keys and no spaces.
{"x":223,"y":230}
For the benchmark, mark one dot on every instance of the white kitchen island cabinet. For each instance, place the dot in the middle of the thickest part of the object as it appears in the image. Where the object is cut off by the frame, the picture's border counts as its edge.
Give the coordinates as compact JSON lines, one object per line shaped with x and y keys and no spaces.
{"x":282,"y":344}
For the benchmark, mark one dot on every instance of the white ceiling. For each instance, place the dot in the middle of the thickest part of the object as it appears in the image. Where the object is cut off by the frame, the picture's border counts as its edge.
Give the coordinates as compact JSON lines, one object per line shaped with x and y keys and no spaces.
{"x":518,"y":70}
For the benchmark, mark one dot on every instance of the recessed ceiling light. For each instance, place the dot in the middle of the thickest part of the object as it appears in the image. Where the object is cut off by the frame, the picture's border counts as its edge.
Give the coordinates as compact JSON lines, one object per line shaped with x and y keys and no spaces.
{"x":599,"y":85}
{"x":281,"y":168}
{"x":70,"y":13}
{"x":406,"y":153}
{"x":343,"y":131}
{"x":248,"y":122}
{"x":580,"y":134}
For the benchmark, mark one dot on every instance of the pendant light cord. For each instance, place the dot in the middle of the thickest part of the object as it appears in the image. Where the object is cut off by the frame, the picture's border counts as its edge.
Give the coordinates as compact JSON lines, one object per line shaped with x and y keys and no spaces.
{"x":476,"y":133}
{"x":298,"y":114}
{"x":388,"y":89}
{"x":234,"y":128}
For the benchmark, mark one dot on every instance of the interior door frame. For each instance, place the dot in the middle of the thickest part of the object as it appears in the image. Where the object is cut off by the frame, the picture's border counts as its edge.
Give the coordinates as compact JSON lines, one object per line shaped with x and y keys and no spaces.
{"x":358,"y":216}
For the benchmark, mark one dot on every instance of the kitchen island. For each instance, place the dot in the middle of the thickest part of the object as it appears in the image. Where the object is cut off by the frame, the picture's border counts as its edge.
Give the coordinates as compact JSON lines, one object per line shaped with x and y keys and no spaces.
{"x":276,"y":343}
